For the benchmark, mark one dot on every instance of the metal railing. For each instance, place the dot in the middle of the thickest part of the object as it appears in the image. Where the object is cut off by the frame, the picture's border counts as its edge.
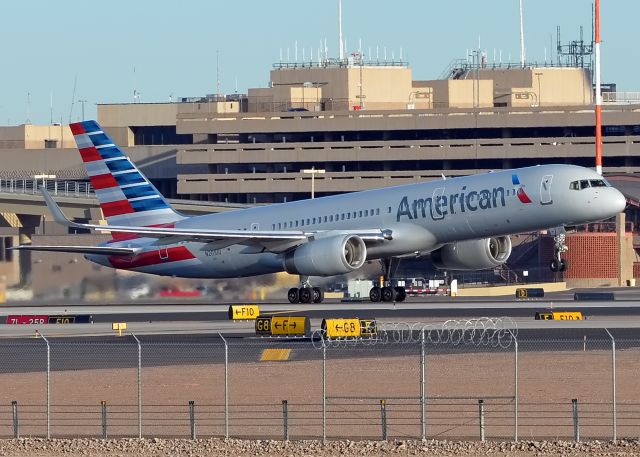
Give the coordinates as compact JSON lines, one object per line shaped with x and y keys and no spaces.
{"x":474,"y":380}
{"x":61,"y":188}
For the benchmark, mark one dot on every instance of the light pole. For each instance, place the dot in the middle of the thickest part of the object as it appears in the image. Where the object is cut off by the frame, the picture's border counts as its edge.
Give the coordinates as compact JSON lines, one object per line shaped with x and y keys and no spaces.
{"x":538,"y":74}
{"x":82,"y":102}
{"x":313,"y":171}
{"x":307,"y":84}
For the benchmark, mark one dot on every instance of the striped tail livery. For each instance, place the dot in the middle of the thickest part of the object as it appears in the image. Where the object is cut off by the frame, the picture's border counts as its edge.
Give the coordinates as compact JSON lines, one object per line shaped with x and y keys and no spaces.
{"x":126,"y":196}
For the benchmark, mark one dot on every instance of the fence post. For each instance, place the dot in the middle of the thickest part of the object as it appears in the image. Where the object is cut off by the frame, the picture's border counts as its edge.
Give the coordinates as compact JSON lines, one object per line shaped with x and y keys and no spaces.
{"x":285,"y":419}
{"x":576,"y":423}
{"x":48,"y":385}
{"x":383,"y":416}
{"x":324,"y":392}
{"x":515,"y":391}
{"x":614,"y":411}
{"x":103,"y":414}
{"x":192,"y":418}
{"x":481,"y":413}
{"x":226,"y":386}
{"x":139,"y":386}
{"x":16,"y":426}
{"x":423,"y":387}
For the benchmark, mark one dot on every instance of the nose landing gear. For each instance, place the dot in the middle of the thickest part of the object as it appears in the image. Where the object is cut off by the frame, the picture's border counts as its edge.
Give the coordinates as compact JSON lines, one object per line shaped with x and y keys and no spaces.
{"x":560,"y":246}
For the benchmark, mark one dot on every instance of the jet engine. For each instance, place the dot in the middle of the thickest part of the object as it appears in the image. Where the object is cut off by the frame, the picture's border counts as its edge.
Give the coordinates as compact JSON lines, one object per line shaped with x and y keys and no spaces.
{"x":334,"y":255}
{"x":480,"y":254}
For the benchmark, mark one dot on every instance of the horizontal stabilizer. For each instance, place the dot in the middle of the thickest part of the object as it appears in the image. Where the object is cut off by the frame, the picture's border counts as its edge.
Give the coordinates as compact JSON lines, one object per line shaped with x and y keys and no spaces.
{"x":99,"y":250}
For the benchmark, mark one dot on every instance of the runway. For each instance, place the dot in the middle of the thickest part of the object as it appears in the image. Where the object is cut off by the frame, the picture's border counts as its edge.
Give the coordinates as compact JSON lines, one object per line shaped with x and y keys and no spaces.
{"x":153,"y":317}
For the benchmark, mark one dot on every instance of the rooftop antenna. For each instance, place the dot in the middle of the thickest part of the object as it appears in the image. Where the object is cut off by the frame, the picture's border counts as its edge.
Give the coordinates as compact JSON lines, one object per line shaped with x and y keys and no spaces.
{"x":51,"y":108}
{"x":598,"y":93}
{"x":73,"y":96}
{"x":522,"y":56}
{"x":217,"y":72}
{"x":28,"y":108}
{"x":340,"y":29}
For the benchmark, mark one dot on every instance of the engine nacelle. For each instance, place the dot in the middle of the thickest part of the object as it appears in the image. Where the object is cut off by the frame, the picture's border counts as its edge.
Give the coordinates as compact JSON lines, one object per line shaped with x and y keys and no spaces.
{"x":334,"y":255}
{"x":480,"y":254}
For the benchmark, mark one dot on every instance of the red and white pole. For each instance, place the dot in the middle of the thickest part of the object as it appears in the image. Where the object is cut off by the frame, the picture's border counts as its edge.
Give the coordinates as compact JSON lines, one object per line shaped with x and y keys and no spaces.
{"x":598,"y":93}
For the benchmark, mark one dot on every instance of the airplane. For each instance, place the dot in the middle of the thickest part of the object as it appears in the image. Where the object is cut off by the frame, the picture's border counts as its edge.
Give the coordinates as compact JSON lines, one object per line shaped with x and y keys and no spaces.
{"x":463,"y":223}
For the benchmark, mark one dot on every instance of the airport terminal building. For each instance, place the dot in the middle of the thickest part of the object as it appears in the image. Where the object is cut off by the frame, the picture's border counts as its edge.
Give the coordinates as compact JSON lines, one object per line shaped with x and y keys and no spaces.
{"x":343,"y":126}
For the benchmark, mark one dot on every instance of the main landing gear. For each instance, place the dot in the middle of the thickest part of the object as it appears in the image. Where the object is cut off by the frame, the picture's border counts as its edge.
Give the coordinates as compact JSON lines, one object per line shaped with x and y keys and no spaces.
{"x":559,"y":246}
{"x":386,"y":292}
{"x":305,"y":294}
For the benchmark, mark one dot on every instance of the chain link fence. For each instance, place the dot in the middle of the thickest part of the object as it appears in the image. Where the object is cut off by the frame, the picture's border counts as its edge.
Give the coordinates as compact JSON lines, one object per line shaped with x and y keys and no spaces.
{"x":459,"y":382}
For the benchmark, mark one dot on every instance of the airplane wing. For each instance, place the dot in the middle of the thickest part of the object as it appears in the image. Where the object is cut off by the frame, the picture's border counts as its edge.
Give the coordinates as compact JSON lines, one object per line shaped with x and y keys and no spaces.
{"x":274,"y":241}
{"x":79,"y":249}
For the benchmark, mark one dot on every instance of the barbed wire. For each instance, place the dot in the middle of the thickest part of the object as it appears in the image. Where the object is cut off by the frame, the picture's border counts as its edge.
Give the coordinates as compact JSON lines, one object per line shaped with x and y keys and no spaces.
{"x":485,"y":331}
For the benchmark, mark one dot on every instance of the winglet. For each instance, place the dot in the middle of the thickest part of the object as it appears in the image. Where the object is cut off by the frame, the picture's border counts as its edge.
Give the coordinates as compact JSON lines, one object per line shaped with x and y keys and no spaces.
{"x":56,"y":212}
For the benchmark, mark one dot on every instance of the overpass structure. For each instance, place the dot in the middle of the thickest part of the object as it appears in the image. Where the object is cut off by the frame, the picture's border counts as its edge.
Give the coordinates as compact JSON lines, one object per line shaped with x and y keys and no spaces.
{"x":24,"y":214}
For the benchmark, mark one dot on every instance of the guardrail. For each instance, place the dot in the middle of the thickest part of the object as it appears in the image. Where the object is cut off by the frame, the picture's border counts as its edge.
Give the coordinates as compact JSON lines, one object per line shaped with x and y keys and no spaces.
{"x":62,"y":188}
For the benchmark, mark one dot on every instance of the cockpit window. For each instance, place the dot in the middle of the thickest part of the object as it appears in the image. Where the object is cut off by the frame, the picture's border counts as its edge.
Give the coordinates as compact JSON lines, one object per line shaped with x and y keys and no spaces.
{"x":586,"y":183}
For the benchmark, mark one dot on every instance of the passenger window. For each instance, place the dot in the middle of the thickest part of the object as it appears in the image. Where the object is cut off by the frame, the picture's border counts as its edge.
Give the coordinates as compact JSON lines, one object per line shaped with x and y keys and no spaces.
{"x":296,"y":223}
{"x":314,"y":220}
{"x":354,"y":214}
{"x":360,"y":214}
{"x":302,"y":223}
{"x":377,"y":211}
{"x":372,"y":212}
{"x":366,"y":213}
{"x":584,"y":184}
{"x":273,"y":226}
{"x":342,"y":217}
{"x":331,"y":218}
{"x":389,"y":210}
{"x":309,"y":221}
{"x":348,"y":215}
{"x":574,"y":185}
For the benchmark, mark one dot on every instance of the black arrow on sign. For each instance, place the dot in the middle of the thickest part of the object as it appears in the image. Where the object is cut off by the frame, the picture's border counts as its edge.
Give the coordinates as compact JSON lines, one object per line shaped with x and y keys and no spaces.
{"x":292,"y":325}
{"x":277,"y":325}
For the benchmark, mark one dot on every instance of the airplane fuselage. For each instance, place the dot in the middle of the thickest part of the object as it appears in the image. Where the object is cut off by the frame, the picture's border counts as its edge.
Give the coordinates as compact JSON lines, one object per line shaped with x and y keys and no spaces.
{"x":420,"y":217}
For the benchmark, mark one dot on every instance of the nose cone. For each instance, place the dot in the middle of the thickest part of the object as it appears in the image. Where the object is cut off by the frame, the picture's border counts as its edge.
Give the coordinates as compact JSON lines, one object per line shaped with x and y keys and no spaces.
{"x":618,"y":201}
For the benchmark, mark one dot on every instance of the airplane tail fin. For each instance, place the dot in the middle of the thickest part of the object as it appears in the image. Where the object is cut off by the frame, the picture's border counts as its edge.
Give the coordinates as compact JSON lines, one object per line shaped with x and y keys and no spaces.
{"x":125,"y":195}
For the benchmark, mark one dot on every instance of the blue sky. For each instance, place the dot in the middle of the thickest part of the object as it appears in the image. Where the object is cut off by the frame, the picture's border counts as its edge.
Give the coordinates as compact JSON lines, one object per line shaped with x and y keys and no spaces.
{"x":172,"y":45}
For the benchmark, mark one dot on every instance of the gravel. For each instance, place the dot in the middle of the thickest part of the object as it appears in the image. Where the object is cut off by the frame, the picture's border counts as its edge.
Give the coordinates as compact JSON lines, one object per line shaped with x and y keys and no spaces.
{"x":218,"y":447}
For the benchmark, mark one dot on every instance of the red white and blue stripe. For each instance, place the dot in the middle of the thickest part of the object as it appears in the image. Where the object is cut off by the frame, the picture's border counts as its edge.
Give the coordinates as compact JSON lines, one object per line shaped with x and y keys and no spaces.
{"x":125,"y":195}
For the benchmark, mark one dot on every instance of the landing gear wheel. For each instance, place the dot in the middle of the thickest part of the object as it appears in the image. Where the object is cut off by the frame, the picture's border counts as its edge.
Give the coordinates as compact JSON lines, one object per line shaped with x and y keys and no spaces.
{"x":564,"y":264}
{"x":306,"y":295}
{"x":401,"y":294}
{"x":388,"y":294}
{"x":318,"y":295}
{"x":293,"y":295}
{"x":375,"y":294}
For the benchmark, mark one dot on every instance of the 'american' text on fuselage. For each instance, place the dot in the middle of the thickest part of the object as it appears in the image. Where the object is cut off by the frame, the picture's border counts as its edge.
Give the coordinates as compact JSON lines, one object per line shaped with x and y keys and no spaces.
{"x":441,"y":205}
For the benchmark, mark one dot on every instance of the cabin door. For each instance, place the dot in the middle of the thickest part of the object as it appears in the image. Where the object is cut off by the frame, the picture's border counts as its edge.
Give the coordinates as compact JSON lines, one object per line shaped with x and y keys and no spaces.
{"x":545,"y":190}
